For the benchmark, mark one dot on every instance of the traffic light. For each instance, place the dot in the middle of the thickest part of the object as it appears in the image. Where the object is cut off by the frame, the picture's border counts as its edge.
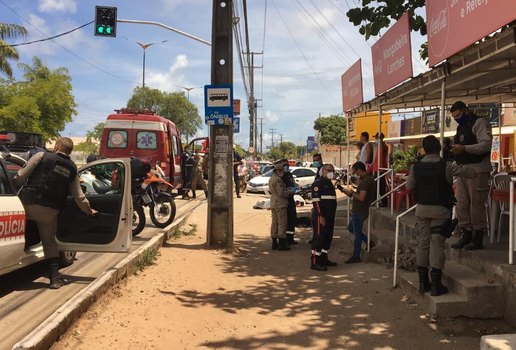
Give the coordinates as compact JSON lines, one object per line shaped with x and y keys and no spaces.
{"x":105,"y":21}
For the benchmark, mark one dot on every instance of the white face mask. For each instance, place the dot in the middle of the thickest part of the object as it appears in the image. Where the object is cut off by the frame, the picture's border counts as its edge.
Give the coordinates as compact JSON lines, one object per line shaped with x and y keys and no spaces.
{"x":330,"y":175}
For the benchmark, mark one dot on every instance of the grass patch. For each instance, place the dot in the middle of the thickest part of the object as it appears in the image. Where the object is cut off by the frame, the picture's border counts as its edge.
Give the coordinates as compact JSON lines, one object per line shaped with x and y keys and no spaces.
{"x":148,"y":258}
{"x":184,"y":230}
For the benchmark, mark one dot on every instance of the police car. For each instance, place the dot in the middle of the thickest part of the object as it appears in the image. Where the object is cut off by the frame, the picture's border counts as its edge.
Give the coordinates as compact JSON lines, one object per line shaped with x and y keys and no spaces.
{"x":109,"y":231}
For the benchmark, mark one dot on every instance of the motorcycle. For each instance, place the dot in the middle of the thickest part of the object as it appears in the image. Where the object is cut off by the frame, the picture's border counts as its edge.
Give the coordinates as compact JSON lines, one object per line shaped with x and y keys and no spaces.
{"x":152,"y":191}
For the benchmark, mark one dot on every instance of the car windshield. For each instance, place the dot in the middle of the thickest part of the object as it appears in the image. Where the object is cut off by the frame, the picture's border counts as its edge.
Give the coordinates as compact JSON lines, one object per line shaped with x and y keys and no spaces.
{"x":268,"y":173}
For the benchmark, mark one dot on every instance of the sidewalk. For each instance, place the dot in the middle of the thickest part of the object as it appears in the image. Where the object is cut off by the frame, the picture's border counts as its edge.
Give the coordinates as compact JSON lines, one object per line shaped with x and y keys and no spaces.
{"x":254,"y":298}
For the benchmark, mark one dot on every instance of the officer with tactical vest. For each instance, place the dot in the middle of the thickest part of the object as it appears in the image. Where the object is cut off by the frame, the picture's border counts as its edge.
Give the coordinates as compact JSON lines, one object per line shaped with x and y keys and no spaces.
{"x":47,"y":179}
{"x":431,"y":178}
{"x":471,"y":148}
{"x":324,"y":200}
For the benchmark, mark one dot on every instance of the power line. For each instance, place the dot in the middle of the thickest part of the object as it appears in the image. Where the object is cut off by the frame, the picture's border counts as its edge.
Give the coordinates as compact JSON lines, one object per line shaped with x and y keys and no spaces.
{"x":50,"y":38}
{"x":67,"y":50}
{"x":302,"y":53}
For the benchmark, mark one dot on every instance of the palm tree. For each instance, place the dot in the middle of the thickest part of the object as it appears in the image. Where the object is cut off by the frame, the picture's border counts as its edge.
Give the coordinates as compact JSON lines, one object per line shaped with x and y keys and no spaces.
{"x":9,"y":31}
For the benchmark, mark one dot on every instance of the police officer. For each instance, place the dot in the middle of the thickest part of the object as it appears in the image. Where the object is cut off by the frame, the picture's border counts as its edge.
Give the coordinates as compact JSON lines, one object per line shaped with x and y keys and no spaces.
{"x":237,"y":160}
{"x":289,"y":181}
{"x":197,"y":176}
{"x":471,"y":148}
{"x":324,"y":201}
{"x":279,"y":203}
{"x":47,"y":178}
{"x":431,"y":178}
{"x":186,"y":172}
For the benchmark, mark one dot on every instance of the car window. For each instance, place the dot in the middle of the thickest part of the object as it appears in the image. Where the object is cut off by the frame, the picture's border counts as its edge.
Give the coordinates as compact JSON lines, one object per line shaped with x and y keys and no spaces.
{"x":268,"y":173}
{"x":117,"y":139}
{"x":4,"y":181}
{"x":146,"y":140}
{"x":303,"y":172}
{"x":106,"y":178}
{"x":174,"y":144}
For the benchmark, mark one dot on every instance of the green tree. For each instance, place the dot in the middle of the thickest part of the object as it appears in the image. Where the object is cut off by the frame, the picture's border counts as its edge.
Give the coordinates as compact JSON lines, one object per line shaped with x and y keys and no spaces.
{"x":332,"y":130}
{"x":283,"y":150}
{"x":373,"y":16}
{"x":9,"y":31}
{"x":91,"y":145}
{"x":42,"y":103}
{"x":171,"y":105}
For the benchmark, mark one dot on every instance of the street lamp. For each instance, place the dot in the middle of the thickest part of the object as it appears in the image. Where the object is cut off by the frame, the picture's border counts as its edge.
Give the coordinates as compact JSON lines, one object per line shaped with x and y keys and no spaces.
{"x":145,"y":47}
{"x":188,"y":89}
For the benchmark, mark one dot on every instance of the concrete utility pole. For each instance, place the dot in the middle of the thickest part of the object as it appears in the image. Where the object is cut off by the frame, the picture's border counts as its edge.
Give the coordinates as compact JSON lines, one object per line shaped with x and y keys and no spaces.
{"x":281,"y":139}
{"x":261,"y":134}
{"x":220,"y":201}
{"x":272,"y":137}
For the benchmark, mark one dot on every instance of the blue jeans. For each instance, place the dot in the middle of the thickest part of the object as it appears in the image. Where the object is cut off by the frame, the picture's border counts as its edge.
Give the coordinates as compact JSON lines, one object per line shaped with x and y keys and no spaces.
{"x":355,"y":227}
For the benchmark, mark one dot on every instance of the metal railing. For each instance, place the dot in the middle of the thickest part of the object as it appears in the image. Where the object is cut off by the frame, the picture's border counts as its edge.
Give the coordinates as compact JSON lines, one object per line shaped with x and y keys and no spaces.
{"x":511,"y":219}
{"x":396,"y":242}
{"x":375,"y":202}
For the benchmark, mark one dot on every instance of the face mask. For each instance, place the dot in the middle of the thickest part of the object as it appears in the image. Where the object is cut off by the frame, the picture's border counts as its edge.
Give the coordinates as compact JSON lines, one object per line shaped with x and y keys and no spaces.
{"x":317,"y":163}
{"x":285,"y":168}
{"x":330,"y":175}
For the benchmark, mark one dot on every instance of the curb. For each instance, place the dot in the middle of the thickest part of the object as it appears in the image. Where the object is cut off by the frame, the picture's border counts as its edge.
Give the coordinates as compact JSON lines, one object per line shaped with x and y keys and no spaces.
{"x":43,"y":336}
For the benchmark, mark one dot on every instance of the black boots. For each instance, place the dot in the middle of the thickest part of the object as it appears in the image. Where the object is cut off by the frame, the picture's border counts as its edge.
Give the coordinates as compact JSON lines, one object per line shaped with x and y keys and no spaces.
{"x":290,"y":239}
{"x":424,"y":281}
{"x":279,"y":244}
{"x":325,"y":261}
{"x":476,"y":241}
{"x":206,"y":194}
{"x":464,"y":240}
{"x":316,"y":263}
{"x":437,"y":288}
{"x":56,"y":281}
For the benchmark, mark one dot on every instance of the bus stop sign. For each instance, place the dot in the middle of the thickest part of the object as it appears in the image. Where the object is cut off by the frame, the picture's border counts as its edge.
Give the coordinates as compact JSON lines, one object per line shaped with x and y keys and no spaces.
{"x":218,"y":104}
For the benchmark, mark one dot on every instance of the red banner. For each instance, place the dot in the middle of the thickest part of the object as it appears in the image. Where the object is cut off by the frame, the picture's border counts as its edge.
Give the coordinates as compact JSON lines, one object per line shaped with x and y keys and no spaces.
{"x":452,"y":25}
{"x":392,"y":56}
{"x":352,"y":90}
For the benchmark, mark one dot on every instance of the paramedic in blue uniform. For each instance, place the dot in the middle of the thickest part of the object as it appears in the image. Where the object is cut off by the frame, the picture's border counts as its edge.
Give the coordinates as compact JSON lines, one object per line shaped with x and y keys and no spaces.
{"x":324,"y":201}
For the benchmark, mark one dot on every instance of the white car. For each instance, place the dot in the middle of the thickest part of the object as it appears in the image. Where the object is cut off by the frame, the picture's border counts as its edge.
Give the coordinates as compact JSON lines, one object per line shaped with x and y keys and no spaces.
{"x":302,"y":177}
{"x":109,"y":231}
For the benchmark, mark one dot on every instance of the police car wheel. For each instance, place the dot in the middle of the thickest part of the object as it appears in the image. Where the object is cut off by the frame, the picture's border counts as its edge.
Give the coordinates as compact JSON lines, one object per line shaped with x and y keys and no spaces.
{"x":66,"y":258}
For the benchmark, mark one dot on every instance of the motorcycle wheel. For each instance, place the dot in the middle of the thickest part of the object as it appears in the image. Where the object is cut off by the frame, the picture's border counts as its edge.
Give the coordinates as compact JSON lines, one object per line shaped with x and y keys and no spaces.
{"x":138,"y":219}
{"x":163,"y":211}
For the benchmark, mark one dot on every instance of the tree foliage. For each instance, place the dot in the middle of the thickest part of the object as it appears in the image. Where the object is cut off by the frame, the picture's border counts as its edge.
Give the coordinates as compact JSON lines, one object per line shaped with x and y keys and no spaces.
{"x":171,"y":105}
{"x":332,"y":130}
{"x":42,"y":103}
{"x":373,"y":16}
{"x":284,"y":149}
{"x":7,"y":52}
{"x":91,"y":145}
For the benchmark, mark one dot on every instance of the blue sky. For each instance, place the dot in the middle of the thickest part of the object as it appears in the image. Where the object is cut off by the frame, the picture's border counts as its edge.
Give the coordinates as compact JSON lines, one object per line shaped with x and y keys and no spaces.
{"x":301,"y":70}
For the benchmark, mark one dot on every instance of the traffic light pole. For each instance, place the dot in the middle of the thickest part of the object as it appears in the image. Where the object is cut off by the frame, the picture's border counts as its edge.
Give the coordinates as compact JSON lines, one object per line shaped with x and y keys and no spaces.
{"x":220,"y":200}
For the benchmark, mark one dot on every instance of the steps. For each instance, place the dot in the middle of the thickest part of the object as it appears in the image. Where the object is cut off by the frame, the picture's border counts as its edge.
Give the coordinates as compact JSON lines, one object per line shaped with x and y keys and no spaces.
{"x":471,"y":295}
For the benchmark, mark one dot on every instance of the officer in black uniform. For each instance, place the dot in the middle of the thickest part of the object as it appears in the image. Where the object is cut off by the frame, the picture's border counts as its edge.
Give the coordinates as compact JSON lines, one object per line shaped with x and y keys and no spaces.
{"x":317,"y":162}
{"x":47,"y":179}
{"x":237,"y":160}
{"x":289,"y":181}
{"x":324,"y":200}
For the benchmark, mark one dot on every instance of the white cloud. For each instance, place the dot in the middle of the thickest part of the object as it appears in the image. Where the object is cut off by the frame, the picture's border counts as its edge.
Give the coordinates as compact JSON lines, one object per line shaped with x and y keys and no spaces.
{"x":171,"y":80}
{"x":57,"y":6}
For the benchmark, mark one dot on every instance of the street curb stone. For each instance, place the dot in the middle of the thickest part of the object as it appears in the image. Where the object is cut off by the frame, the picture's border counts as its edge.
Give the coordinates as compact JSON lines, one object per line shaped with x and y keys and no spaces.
{"x":58,"y":323}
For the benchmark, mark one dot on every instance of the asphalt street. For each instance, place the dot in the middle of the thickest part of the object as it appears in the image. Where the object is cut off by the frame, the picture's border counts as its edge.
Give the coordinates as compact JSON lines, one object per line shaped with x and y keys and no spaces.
{"x":25,"y":300}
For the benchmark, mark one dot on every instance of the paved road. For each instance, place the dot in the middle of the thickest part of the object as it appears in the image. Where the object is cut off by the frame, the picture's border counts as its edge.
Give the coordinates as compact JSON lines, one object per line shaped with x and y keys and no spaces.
{"x":25,"y":300}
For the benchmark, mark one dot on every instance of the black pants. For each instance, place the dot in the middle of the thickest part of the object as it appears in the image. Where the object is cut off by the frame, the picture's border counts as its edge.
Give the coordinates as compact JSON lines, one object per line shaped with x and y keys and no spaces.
{"x":291,"y":216}
{"x":322,"y":235}
{"x":237,"y":182}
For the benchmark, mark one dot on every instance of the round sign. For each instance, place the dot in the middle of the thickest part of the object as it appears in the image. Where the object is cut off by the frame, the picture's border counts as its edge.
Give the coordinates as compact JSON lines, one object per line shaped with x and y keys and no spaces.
{"x":251,"y":150}
{"x":116,"y":139}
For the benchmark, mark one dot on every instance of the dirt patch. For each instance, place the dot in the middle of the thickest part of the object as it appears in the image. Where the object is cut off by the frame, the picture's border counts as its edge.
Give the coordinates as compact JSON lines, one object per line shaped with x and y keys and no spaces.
{"x":250,"y":297}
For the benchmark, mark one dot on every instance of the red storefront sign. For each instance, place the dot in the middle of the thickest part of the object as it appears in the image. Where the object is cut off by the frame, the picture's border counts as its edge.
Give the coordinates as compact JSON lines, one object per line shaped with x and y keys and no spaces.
{"x":392,"y":59}
{"x":352,"y":90}
{"x":453,"y":25}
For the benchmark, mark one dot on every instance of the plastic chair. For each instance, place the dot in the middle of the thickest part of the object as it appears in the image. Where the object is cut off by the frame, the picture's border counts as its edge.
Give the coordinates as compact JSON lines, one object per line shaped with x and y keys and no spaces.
{"x":500,"y":194}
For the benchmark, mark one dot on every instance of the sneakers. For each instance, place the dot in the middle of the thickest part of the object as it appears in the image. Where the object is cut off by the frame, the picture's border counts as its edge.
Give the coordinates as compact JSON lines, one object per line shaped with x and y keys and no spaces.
{"x":353,"y":259}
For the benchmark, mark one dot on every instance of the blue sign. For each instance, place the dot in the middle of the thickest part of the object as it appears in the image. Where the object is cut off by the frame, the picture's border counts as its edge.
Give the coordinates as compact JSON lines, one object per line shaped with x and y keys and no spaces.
{"x":218,"y":104}
{"x":236,"y":125}
{"x":310,"y":144}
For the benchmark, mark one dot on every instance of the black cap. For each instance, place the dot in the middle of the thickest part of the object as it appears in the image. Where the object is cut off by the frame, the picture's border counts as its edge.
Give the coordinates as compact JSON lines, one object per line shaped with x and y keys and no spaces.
{"x":381,"y":135}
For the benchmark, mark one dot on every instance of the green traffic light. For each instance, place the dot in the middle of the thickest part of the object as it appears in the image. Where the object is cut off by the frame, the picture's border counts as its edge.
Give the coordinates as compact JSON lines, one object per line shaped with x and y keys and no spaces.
{"x":100,"y":29}
{"x":108,"y":30}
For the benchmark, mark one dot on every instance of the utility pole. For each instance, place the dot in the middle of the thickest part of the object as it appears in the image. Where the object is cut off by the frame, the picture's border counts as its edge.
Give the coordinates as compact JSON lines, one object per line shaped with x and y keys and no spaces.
{"x":220,"y":200}
{"x":261,"y":134}
{"x":272,"y":137}
{"x":281,"y":139}
{"x":252,"y":102}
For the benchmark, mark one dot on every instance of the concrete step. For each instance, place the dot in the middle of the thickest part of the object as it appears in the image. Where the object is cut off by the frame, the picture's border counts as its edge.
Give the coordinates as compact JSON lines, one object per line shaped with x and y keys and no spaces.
{"x":383,"y":219}
{"x":471,"y":294}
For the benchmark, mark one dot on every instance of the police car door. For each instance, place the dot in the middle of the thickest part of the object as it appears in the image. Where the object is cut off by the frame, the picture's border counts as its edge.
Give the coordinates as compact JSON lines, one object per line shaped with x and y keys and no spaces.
{"x":106,"y":183}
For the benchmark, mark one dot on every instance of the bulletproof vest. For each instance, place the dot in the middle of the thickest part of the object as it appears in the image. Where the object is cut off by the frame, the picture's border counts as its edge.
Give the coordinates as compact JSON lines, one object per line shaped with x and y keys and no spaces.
{"x":288,"y":179}
{"x":50,"y":181}
{"x":432,"y":188}
{"x":465,"y":136}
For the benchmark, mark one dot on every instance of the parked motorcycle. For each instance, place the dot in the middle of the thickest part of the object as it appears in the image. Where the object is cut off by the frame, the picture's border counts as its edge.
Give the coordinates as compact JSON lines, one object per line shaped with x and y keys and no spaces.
{"x":152,"y":191}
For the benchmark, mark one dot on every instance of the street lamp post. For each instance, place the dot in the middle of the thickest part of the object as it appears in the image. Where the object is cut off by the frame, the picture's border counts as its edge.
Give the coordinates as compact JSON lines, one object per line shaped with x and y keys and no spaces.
{"x":145,"y":47}
{"x":188,"y":89}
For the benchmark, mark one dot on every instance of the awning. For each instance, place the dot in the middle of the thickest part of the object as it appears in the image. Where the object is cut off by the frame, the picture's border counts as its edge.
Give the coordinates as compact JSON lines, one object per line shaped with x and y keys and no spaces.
{"x":483,"y":73}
